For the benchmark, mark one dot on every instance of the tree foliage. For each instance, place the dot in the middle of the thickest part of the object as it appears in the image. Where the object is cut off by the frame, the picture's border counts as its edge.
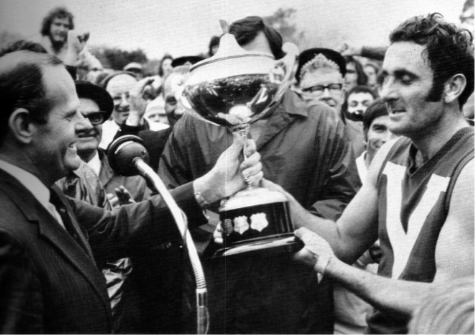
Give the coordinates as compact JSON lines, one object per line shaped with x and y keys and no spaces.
{"x":116,"y":58}
{"x":283,"y":21}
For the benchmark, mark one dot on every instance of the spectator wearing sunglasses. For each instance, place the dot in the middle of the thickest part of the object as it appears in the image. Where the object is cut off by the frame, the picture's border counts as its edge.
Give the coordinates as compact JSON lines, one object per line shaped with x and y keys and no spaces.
{"x":96,"y":105}
{"x":96,"y":183}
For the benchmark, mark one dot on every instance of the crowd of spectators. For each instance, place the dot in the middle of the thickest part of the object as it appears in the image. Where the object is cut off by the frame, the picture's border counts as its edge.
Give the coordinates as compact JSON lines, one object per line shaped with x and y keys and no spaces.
{"x":328,"y":145}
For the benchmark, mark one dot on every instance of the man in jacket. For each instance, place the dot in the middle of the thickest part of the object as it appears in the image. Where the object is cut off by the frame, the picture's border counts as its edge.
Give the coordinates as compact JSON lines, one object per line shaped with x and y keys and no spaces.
{"x":49,"y":281}
{"x":302,"y":147}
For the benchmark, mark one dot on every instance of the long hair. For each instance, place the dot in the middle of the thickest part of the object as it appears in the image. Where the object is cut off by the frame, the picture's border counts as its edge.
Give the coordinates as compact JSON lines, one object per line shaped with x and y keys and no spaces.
{"x":58,"y":12}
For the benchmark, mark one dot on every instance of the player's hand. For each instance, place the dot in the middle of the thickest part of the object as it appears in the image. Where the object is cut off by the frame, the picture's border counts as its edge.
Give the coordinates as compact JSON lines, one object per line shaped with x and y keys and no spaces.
{"x":316,"y":253}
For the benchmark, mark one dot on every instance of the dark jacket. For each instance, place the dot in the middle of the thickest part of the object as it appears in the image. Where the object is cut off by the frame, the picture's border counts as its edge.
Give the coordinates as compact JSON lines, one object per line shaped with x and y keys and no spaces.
{"x":304,"y":149}
{"x":48,"y":282}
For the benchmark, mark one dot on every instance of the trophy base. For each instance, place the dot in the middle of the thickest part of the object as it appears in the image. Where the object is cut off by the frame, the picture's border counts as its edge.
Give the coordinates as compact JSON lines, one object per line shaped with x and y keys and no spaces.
{"x":271,"y":245}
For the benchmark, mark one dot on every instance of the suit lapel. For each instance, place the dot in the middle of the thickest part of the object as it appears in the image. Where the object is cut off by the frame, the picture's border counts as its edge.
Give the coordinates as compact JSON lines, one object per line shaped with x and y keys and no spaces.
{"x":57,"y":236}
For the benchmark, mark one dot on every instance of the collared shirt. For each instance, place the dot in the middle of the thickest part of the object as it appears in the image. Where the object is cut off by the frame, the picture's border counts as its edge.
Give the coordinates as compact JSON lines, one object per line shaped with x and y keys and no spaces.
{"x":95,"y":163}
{"x":34,"y":185}
{"x":361,"y":165}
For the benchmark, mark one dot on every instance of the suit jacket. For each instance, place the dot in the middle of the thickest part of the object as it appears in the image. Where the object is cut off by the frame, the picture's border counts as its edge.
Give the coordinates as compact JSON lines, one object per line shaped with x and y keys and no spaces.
{"x":49,"y":283}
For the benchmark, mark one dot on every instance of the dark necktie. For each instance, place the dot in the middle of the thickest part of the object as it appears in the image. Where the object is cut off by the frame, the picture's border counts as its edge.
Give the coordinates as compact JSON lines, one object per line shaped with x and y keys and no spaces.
{"x":61,"y":209}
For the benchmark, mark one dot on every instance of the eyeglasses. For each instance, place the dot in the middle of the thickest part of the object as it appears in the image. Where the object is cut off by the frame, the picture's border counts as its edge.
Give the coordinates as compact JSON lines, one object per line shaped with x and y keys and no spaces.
{"x":95,"y":118}
{"x":319,"y":89}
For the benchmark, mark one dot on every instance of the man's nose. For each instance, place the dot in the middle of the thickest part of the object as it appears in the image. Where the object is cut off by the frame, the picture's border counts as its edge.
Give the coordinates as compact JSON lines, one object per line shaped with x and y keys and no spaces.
{"x":124,"y":101}
{"x":83,"y":124}
{"x":388,"y":92}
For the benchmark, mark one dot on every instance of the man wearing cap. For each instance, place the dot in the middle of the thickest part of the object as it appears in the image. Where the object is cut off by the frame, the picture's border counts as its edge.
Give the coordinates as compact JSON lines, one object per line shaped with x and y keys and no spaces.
{"x":320,"y":78}
{"x":96,"y":105}
{"x":303,"y":147}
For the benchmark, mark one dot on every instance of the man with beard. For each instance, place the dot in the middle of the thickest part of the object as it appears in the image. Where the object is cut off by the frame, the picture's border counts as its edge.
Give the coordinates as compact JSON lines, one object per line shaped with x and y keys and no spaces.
{"x":54,"y":31}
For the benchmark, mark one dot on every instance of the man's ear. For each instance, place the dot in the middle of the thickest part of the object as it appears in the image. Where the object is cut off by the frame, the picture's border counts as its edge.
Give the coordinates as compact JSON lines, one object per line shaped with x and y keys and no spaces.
{"x":454,"y":88}
{"x":21,"y":125}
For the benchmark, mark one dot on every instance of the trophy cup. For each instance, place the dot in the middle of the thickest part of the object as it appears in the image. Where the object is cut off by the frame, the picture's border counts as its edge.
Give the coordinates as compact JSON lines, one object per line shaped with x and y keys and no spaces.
{"x":236,"y":88}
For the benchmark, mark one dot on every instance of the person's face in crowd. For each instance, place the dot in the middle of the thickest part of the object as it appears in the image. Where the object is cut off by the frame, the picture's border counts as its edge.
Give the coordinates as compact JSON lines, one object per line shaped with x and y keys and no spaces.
{"x":59,"y":30}
{"x":55,"y":142}
{"x":351,"y":76}
{"x":172,"y":92}
{"x":408,"y":81}
{"x":372,"y":75}
{"x":378,"y":134}
{"x":119,"y":87}
{"x":167,"y":67}
{"x":157,"y":115}
{"x":89,"y":138}
{"x":358,"y":102}
{"x":323,"y":85}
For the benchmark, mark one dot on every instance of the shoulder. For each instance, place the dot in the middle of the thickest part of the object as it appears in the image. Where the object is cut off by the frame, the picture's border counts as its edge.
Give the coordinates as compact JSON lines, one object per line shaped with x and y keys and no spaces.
{"x":454,"y":252}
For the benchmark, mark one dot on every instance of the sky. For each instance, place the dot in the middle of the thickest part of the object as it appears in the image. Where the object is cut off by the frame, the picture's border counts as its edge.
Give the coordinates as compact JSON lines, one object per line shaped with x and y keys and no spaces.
{"x":184,"y":27}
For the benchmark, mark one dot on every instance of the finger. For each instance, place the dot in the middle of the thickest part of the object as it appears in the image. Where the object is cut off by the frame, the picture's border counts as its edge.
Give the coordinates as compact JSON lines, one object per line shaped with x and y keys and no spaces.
{"x":114,"y":201}
{"x":236,"y":148}
{"x":305,"y":256}
{"x":250,"y":147}
{"x":255,"y":178}
{"x":218,"y":234}
{"x":252,"y":170}
{"x":305,"y":235}
{"x":251,"y":161}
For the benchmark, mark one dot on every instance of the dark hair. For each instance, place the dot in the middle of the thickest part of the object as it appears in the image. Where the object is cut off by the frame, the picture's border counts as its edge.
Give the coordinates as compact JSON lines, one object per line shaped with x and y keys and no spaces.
{"x":449,"y":50}
{"x":357,"y":89}
{"x":22,"y":86}
{"x":376,"y":109}
{"x":245,"y":30}
{"x":58,"y":12}
{"x":23,"y":45}
{"x":213,"y":42}
{"x":362,"y":78}
{"x":160,"y":70}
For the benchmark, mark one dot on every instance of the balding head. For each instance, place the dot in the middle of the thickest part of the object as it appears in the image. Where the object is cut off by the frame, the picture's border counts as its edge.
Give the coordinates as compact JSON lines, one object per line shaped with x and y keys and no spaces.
{"x":21,"y":86}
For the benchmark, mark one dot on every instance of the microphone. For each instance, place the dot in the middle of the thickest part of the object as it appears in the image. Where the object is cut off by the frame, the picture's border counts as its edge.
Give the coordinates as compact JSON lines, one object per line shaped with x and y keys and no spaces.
{"x":128,"y":157}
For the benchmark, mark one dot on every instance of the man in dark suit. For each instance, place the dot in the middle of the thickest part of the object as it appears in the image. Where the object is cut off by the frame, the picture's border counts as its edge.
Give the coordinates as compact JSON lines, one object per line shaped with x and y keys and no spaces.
{"x":49,"y":244}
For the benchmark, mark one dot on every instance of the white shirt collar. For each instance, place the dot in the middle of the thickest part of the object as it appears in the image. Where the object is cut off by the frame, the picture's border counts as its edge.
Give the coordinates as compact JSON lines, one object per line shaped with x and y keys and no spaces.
{"x":31,"y":182}
{"x":95,"y":163}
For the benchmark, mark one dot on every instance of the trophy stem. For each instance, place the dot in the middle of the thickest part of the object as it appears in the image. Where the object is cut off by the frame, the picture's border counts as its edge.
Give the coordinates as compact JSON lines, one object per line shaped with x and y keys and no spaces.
{"x":243,"y":130}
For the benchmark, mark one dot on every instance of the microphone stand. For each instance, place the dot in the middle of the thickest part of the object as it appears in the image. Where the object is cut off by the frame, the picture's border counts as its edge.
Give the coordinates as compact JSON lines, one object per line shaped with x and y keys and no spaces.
{"x":127,"y":155}
{"x":181,"y":221}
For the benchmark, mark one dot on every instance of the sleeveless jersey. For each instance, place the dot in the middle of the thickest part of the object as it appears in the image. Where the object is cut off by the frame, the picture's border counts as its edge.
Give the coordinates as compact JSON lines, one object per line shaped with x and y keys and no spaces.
{"x":412,"y":207}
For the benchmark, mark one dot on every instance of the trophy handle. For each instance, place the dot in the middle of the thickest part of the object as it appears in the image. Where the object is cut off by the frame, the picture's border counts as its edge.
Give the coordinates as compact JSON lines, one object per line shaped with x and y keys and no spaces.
{"x":287,"y":65}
